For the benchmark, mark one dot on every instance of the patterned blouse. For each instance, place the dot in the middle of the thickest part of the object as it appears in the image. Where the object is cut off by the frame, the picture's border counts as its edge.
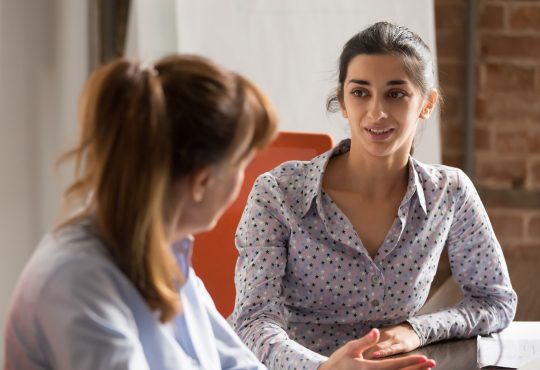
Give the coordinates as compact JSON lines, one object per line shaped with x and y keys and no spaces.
{"x":306,"y":284}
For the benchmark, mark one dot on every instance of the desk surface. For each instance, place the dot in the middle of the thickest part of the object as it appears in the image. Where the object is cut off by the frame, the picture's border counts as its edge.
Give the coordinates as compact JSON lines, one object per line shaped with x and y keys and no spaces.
{"x":452,"y":355}
{"x":461,"y":354}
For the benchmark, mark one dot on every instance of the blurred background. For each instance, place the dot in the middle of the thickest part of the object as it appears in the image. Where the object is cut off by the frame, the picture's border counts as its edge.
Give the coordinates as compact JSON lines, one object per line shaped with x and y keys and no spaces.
{"x":488,"y":54}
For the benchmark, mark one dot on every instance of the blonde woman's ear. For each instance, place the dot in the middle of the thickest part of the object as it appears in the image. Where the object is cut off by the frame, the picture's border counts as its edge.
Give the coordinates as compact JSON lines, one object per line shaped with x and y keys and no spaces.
{"x":199,"y":184}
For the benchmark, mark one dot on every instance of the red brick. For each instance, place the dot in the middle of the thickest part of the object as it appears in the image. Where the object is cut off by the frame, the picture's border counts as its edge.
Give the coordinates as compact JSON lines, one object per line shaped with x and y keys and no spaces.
{"x":506,"y":226}
{"x":491,"y":17}
{"x":525,"y":17}
{"x":453,"y":137}
{"x":534,"y":227}
{"x":508,"y":76}
{"x":511,"y":142}
{"x":501,"y":172}
{"x":522,"y":250}
{"x":510,"y":107}
{"x":452,"y":107}
{"x":451,"y":43}
{"x":453,"y":159}
{"x":510,"y":46}
{"x":451,"y":76}
{"x":517,"y":141}
{"x":480,"y":106}
{"x":535,"y":174}
{"x":450,"y":15}
{"x":482,"y":138}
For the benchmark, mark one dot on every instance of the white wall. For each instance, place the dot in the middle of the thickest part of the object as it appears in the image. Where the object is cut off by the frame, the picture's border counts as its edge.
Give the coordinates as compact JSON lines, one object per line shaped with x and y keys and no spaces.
{"x":17,"y":180}
{"x":43,"y":63}
{"x":291,"y":48}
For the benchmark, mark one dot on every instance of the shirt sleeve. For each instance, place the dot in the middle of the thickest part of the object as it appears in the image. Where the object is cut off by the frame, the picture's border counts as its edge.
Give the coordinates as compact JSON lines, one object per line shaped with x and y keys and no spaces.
{"x":233,"y":353}
{"x":262,"y":241}
{"x":86,"y":324}
{"x":478,"y":266}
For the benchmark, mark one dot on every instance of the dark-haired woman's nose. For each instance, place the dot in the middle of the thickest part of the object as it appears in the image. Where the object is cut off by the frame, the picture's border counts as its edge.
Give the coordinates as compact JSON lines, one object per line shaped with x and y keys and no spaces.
{"x":376,"y":110}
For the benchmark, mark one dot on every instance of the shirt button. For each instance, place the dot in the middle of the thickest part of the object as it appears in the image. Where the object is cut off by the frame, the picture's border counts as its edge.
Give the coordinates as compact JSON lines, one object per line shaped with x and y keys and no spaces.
{"x":375,"y":279}
{"x":375,"y":303}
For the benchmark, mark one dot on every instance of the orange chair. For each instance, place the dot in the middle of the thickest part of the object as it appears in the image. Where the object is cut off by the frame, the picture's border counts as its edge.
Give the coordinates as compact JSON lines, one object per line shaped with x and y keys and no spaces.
{"x":214,"y":254}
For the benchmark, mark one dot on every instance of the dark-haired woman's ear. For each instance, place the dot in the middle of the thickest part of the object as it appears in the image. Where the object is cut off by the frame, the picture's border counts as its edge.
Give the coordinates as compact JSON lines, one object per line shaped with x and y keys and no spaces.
{"x":430,"y":103}
{"x":199,"y":183}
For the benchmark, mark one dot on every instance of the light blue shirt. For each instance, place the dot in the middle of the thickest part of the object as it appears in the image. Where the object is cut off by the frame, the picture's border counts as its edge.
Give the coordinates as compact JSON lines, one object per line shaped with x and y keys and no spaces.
{"x":74,"y":309}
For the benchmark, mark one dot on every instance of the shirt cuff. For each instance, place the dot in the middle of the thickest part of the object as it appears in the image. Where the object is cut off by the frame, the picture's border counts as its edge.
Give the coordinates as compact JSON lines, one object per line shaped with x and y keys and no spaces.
{"x":419,"y":326}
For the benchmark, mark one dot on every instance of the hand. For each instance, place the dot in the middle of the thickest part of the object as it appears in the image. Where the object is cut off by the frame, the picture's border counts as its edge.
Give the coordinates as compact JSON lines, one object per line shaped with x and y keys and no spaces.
{"x":395,"y":339}
{"x":349,"y":356}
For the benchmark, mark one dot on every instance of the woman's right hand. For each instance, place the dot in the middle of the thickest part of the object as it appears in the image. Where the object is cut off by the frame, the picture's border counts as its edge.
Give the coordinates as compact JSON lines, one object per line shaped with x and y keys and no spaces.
{"x":349,"y":356}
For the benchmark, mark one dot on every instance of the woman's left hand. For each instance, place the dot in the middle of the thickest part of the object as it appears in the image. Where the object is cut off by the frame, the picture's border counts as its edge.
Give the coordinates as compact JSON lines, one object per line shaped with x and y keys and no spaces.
{"x":394,"y":339}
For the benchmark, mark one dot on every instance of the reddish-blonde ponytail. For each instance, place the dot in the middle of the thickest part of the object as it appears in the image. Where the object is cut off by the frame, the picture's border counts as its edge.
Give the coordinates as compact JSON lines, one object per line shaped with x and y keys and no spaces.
{"x":142,"y":129}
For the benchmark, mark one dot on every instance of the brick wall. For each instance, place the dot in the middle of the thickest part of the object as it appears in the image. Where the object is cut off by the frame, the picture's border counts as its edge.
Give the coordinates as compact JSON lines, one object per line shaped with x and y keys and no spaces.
{"x":507,"y":127}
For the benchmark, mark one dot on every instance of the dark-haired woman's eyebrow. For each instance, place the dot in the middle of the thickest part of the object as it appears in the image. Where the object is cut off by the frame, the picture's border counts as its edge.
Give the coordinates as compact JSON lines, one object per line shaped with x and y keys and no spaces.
{"x":359,"y":82}
{"x":389,"y":83}
{"x":397,"y":82}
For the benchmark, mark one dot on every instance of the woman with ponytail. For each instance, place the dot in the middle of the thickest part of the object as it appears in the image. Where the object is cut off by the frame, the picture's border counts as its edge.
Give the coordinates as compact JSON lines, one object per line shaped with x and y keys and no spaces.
{"x":162,"y":153}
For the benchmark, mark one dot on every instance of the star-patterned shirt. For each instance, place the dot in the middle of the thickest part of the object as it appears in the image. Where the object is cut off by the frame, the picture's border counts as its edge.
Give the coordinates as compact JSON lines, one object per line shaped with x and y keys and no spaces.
{"x":306,"y":284}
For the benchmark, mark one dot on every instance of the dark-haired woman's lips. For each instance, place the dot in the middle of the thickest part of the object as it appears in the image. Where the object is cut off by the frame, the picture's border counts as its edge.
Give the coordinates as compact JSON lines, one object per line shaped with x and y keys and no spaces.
{"x":379,"y":134}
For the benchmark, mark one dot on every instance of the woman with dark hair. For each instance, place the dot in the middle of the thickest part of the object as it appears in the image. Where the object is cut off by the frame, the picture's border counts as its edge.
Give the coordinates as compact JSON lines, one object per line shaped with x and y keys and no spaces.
{"x":162,"y":153}
{"x":330,"y":248}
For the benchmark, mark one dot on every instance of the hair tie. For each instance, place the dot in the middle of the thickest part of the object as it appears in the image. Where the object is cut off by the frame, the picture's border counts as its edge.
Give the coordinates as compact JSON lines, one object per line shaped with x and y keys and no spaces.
{"x":149,"y":67}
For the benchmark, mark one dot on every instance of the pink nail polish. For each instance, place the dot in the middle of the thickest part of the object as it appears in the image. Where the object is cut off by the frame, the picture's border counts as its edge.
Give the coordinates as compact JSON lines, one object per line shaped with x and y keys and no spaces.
{"x":376,"y":354}
{"x":373,"y":333}
{"x":423,"y":360}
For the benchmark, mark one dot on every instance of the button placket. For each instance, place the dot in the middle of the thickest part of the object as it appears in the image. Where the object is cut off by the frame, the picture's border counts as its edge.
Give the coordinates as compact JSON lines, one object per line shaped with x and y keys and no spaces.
{"x":376,"y":278}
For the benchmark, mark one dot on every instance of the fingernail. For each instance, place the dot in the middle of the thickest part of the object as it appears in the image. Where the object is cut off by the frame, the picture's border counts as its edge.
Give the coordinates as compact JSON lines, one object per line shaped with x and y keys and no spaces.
{"x":376,"y":354}
{"x":432,"y":363}
{"x":373,"y":333}
{"x":423,"y":360}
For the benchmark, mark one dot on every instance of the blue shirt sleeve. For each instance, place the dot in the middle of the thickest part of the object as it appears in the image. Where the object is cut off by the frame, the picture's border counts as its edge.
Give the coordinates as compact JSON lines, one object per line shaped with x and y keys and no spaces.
{"x":233,"y":354}
{"x":86,"y":323}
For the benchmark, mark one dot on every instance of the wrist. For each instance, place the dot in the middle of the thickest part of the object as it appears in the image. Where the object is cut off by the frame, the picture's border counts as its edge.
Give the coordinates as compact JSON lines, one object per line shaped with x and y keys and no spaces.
{"x":324,"y":366}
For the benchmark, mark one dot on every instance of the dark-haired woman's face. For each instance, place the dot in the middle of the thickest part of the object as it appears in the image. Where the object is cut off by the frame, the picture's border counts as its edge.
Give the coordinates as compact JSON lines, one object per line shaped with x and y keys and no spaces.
{"x":382,"y":105}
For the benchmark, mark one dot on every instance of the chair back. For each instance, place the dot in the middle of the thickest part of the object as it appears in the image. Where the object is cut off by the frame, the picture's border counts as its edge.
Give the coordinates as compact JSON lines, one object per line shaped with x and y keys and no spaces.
{"x":214,"y":254}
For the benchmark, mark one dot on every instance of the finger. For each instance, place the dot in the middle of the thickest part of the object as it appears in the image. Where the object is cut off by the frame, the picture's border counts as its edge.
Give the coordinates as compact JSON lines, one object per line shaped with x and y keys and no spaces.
{"x":390,"y":350}
{"x":409,"y":362}
{"x":429,"y":364}
{"x":356,"y":347}
{"x":378,"y":347}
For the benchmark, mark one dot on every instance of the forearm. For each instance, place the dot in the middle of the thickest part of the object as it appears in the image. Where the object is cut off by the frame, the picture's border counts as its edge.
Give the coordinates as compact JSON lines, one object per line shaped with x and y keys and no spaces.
{"x":472,"y":316}
{"x":275,"y":349}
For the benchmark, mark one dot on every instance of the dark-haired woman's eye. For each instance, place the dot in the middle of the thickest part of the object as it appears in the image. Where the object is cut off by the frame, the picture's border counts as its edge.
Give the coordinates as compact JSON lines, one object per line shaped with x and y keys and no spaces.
{"x":396,"y":94}
{"x":358,"y":93}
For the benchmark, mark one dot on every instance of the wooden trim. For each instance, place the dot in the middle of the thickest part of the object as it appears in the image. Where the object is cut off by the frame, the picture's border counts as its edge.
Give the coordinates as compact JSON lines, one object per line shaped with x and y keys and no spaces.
{"x":108,"y":22}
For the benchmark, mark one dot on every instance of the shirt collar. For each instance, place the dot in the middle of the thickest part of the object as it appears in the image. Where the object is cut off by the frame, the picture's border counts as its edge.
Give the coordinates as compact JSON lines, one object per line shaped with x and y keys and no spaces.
{"x":415,"y":185}
{"x":317,"y":166}
{"x":314,"y":174}
{"x":182,"y":250}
